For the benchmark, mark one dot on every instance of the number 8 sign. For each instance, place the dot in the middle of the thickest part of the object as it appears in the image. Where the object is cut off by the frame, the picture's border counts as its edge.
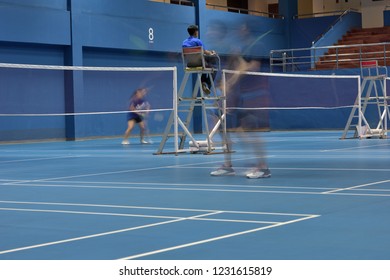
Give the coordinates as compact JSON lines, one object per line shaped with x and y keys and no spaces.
{"x":151,"y":35}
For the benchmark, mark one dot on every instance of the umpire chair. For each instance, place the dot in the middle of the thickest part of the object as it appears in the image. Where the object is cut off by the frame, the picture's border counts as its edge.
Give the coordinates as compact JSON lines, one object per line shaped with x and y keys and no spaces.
{"x":195,"y":63}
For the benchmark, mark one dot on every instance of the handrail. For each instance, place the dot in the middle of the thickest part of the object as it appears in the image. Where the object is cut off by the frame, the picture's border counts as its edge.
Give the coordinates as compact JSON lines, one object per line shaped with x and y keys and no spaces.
{"x":291,"y":60}
{"x":183,"y":2}
{"x":178,"y":2}
{"x":311,"y":15}
{"x":333,"y":24}
{"x":240,"y":10}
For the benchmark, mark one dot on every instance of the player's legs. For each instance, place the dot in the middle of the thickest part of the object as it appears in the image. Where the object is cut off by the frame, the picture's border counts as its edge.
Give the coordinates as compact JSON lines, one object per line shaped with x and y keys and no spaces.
{"x":142,"y":132}
{"x":130,"y":126}
{"x":251,"y":139}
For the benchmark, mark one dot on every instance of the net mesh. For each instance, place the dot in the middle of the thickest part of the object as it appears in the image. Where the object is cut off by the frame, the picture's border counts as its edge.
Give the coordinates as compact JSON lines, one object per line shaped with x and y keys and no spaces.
{"x":44,"y":102}
{"x":289,"y":101}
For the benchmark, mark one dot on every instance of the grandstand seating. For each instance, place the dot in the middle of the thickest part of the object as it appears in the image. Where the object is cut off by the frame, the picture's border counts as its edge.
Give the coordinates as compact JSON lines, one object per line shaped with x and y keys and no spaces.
{"x":358,"y":45}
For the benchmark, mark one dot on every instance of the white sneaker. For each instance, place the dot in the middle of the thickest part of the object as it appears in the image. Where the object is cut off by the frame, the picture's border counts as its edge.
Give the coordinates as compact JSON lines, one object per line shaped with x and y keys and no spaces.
{"x":125,"y":142}
{"x":258,"y":173}
{"x":144,"y":141}
{"x":223,"y":171}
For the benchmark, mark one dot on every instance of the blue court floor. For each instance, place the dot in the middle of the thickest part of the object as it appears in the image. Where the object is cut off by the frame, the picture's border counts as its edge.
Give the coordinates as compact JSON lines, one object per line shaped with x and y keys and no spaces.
{"x":327,"y":199}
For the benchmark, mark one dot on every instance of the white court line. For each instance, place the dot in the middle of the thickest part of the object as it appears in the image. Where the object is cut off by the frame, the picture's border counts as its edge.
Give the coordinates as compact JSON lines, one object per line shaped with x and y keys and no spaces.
{"x":200,"y":188}
{"x":39,"y":159}
{"x":122,"y":171}
{"x":8,"y":180}
{"x":131,"y":215}
{"x":356,"y":187}
{"x":355,"y":148}
{"x":307,"y":169}
{"x":193,"y":165}
{"x":110,"y":185}
{"x":150,"y":208}
{"x":196,"y":217}
{"x":85,"y":213}
{"x":101,"y":234}
{"x":360,"y":194}
{"x":131,"y":170}
{"x":127,"y":185}
{"x":372,"y":156}
{"x":214,"y":239}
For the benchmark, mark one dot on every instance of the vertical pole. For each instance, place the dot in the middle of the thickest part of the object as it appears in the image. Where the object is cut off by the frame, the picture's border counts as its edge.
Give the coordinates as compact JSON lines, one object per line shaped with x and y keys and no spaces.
{"x":385,"y":106}
{"x":359,"y":128}
{"x":175,"y":114}
{"x":224,"y":128}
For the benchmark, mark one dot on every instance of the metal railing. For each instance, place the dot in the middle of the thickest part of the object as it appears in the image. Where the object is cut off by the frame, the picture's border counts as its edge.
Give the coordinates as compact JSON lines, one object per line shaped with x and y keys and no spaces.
{"x":177,"y":2}
{"x":341,"y":14}
{"x":329,"y":57}
{"x":223,"y":8}
{"x":323,"y":14}
{"x":244,"y":11}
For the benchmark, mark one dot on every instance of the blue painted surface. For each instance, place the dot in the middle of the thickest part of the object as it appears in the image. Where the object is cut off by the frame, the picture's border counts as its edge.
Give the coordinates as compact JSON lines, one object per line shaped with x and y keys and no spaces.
{"x":386,"y":18}
{"x":306,"y":30}
{"x":347,"y":22}
{"x":67,"y":192}
{"x":252,"y":36}
{"x":38,"y":25}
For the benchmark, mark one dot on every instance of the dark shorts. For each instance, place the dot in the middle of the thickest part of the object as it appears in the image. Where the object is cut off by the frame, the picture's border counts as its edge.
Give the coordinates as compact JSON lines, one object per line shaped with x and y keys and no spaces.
{"x":133,"y":116}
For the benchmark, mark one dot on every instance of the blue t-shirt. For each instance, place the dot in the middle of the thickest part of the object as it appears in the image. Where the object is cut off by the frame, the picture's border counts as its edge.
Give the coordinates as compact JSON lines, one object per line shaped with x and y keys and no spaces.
{"x":139,"y":104}
{"x":192,"y":42}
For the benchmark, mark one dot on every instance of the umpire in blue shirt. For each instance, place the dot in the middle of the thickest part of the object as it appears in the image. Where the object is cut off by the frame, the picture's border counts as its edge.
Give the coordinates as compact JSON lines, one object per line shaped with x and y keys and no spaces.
{"x":194,"y":41}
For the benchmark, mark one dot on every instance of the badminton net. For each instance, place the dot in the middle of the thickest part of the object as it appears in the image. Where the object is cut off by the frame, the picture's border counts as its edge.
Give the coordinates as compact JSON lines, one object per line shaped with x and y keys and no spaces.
{"x":270,"y":101}
{"x":69,"y":102}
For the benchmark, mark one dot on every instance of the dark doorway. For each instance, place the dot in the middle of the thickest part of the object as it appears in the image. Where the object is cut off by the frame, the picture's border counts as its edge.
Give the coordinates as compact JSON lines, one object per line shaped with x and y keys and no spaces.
{"x":273,"y":10}
{"x":238,"y":6}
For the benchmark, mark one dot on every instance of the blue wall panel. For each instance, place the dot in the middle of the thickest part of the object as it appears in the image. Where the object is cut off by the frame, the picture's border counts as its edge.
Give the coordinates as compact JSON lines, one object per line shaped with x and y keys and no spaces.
{"x":250,"y":35}
{"x":121,"y":26}
{"x":306,"y":30}
{"x":97,"y":31}
{"x":347,"y":22}
{"x":386,"y":18}
{"x":33,"y":25}
{"x":31,"y":53}
{"x":50,"y":4}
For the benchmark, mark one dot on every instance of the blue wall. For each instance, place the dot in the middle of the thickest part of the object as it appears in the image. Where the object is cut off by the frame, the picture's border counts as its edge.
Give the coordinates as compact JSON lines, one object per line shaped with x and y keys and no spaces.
{"x":43,"y":22}
{"x":306,"y":30}
{"x":107,"y":33}
{"x":386,"y":18}
{"x":347,"y":22}
{"x":254,"y":36}
{"x":34,"y":32}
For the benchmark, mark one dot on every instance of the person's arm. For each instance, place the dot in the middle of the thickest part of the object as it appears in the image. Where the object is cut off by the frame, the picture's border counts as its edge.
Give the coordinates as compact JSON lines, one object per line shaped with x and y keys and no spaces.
{"x":207,"y":52}
{"x":132,"y":107}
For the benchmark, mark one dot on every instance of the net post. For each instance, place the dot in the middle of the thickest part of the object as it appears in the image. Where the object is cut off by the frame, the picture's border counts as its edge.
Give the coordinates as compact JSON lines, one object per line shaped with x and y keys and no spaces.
{"x":359,"y":128}
{"x":224,"y":127}
{"x":386,"y":108}
{"x":175,"y":111}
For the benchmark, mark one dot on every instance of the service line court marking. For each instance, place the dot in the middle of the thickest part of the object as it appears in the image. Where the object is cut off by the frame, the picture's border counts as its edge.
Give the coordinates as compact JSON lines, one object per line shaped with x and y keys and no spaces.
{"x":267,"y":220}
